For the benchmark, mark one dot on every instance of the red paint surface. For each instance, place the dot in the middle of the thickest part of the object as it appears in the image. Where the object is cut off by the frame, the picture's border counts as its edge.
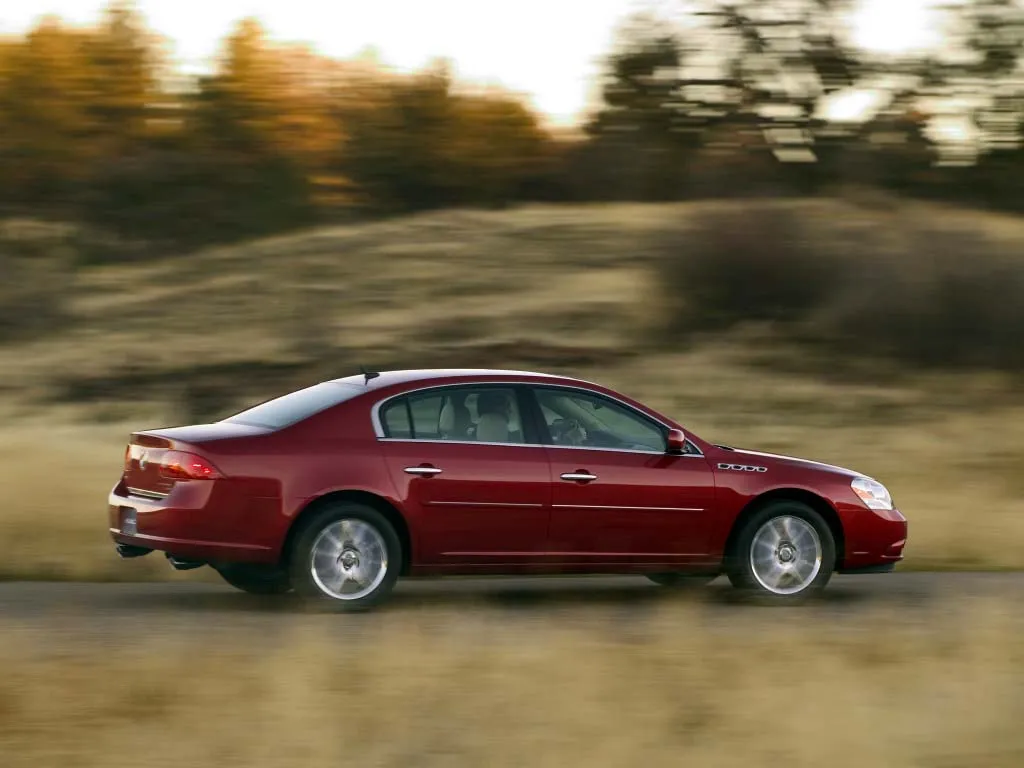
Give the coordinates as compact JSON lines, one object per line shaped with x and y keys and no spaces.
{"x":493,"y":509}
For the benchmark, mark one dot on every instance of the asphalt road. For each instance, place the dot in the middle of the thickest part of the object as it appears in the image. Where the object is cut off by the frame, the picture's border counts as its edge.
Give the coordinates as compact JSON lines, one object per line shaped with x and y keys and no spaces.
{"x":76,"y":612}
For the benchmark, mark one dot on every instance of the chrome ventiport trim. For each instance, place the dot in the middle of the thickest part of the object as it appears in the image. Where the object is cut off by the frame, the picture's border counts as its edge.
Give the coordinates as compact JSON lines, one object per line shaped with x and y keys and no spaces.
{"x":742,"y":468}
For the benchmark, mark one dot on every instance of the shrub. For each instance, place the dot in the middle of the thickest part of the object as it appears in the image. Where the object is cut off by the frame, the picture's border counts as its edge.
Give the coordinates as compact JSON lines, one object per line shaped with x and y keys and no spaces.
{"x":754,"y":262}
{"x":35,"y":279}
{"x":949,"y":298}
{"x":917,"y":292}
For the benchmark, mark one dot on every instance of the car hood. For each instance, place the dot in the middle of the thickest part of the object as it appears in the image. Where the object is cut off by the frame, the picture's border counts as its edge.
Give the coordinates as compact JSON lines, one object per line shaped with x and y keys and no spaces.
{"x":778,"y":458}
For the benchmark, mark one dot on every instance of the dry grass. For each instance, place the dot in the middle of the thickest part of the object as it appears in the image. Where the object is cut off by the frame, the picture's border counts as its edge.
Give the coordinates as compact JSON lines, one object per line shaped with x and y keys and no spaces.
{"x":566,"y":289}
{"x":53,"y":491}
{"x":668,"y":688}
{"x":953,"y":464}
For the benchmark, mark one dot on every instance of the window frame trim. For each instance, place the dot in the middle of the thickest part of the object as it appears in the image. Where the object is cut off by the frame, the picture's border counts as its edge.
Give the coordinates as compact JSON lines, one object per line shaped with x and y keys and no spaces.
{"x":529,"y":428}
{"x":524,"y":389}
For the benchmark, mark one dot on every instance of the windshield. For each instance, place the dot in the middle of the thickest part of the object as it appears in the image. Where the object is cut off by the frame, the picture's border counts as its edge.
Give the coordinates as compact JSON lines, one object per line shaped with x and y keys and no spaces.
{"x":294,"y":407}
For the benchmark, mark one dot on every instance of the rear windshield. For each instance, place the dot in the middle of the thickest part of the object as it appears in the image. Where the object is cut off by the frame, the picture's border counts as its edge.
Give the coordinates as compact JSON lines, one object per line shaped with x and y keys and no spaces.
{"x":292,"y":408}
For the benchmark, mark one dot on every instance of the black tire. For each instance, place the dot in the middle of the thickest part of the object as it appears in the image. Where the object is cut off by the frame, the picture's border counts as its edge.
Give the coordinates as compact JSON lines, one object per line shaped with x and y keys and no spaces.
{"x":681,"y":580}
{"x":312,"y":587}
{"x":740,"y":569}
{"x":256,"y":579}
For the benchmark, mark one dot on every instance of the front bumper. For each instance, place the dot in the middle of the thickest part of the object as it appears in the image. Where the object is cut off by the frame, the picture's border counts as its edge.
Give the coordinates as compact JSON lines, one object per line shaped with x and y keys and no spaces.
{"x":875,"y":540}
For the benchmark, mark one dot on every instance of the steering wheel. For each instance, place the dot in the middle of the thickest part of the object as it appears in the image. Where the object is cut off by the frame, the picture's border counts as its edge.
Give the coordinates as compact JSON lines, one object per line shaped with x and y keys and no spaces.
{"x":568,"y":432}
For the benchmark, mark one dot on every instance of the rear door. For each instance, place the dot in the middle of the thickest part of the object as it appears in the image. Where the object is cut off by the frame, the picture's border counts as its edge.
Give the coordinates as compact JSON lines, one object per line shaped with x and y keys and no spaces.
{"x":617,"y":496}
{"x":471,"y":501}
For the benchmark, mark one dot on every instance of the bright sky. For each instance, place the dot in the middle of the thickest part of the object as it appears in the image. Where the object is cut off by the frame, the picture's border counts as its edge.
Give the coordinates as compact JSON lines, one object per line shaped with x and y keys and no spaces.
{"x":550,"y":50}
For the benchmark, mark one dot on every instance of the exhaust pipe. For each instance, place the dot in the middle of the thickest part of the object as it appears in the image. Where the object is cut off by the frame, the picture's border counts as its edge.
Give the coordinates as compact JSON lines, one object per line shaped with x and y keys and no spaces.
{"x":184,"y":565}
{"x":127,"y":551}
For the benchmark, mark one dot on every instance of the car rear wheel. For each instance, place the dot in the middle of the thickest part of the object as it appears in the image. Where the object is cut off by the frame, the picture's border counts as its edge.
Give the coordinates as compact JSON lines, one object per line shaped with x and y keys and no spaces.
{"x":681,"y":580}
{"x":255,"y":579}
{"x":784,"y":553}
{"x":347,"y":555}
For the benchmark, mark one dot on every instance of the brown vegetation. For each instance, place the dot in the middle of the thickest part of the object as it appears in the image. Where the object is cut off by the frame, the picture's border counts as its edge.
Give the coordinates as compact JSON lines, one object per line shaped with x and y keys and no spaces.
{"x":910,"y":287}
{"x":191,"y":337}
{"x":661,"y":686}
{"x":96,"y":125}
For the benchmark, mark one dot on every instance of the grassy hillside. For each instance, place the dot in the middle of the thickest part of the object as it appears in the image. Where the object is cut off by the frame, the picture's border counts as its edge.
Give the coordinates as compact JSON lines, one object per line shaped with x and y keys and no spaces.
{"x":569,"y":289}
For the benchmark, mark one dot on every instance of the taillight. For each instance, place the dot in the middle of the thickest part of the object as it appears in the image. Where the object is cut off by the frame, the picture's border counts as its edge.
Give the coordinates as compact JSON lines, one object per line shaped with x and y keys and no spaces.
{"x":128,"y":457}
{"x":178,"y":465}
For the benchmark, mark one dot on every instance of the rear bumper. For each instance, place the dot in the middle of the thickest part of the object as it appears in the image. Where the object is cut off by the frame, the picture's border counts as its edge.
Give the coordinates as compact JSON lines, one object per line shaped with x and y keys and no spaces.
{"x":192,"y":523}
{"x":195,"y":549}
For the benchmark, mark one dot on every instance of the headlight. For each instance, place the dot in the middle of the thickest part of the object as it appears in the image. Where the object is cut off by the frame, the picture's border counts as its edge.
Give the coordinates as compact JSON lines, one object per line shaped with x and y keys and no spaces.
{"x":872,"y":493}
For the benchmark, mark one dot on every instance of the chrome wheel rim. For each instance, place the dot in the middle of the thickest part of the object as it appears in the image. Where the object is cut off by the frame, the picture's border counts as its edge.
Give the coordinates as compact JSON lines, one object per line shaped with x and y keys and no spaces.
{"x":785,"y":555}
{"x":350,"y":559}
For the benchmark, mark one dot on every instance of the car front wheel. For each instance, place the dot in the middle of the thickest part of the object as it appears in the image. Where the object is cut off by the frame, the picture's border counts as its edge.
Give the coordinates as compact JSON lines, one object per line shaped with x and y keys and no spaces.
{"x":784,"y":553}
{"x":347,"y":555}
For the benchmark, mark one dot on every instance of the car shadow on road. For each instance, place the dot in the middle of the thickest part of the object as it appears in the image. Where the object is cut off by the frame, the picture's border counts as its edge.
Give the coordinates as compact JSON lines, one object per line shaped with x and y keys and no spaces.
{"x":519,"y":595}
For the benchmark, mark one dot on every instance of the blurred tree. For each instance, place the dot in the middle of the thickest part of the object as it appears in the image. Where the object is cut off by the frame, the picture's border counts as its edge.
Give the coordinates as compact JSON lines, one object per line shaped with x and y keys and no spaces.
{"x":416,"y":142}
{"x":398,"y":133}
{"x":735,"y":101}
{"x":497,"y":150}
{"x":638,"y":146}
{"x":239,"y":127}
{"x":44,"y":117}
{"x":989,"y":81}
{"x":122,"y":71}
{"x":740,"y":88}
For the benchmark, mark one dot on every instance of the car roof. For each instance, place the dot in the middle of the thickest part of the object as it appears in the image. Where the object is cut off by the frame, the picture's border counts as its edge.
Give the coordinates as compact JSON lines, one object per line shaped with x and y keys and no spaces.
{"x":390,"y":378}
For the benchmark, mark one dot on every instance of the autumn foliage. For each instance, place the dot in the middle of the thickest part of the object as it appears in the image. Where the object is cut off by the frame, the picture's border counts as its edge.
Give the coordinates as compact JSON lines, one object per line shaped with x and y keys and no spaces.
{"x":95,"y":126}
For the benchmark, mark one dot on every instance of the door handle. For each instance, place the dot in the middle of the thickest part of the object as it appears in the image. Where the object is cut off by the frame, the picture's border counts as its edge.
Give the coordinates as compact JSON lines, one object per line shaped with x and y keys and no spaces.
{"x":424,"y":471}
{"x":579,"y":476}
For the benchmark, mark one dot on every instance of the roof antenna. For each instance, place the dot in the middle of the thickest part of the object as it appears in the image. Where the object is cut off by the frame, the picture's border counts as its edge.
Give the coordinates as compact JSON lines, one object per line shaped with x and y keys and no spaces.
{"x":368,"y":374}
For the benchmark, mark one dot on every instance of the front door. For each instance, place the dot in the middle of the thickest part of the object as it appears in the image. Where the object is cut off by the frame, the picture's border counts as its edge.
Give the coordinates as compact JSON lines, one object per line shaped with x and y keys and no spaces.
{"x":617,"y":497}
{"x":475,"y":492}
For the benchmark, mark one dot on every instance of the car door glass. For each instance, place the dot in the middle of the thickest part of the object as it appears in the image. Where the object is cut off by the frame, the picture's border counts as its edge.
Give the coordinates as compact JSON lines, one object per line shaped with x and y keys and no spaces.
{"x":580,"y":420}
{"x":457,"y":414}
{"x":426,"y":416}
{"x":495,"y":415}
{"x":395,"y":419}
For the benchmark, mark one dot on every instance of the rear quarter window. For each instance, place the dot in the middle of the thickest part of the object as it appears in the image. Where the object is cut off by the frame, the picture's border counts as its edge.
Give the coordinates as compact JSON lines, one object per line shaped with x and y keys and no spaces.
{"x":294,"y":407}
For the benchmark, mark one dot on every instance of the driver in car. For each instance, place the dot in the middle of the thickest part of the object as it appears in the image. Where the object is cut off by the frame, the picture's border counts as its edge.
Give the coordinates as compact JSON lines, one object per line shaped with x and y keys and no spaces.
{"x":574,"y":433}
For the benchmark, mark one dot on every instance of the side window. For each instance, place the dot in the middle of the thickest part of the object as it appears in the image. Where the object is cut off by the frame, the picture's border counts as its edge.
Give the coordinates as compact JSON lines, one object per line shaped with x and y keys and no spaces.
{"x":426,"y":415}
{"x":494,"y":413}
{"x":395,"y":419}
{"x":459,"y":414}
{"x":591,"y":421}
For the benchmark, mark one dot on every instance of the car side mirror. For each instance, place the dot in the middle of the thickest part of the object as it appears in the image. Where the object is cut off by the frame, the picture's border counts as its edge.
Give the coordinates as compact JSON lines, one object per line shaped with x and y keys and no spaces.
{"x":675,"y":442}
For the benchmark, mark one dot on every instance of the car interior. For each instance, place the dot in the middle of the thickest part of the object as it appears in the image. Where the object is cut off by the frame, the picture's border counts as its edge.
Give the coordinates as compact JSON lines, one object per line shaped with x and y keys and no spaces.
{"x":582,"y":421}
{"x":486,"y":416}
{"x":492,"y":416}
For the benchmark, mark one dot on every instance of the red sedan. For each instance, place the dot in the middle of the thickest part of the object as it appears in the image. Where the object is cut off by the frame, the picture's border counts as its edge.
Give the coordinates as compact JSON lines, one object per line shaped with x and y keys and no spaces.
{"x":337,"y":490}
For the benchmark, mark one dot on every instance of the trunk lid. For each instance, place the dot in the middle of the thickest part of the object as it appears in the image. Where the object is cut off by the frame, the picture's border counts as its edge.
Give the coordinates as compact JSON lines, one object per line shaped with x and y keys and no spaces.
{"x":147,"y":449}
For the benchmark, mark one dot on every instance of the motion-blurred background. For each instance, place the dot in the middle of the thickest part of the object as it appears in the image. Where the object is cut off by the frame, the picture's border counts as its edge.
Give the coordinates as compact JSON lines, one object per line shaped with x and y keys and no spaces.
{"x":793,"y":225}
